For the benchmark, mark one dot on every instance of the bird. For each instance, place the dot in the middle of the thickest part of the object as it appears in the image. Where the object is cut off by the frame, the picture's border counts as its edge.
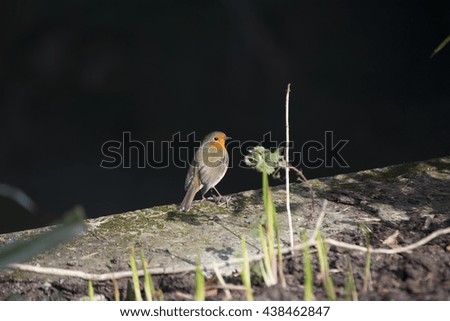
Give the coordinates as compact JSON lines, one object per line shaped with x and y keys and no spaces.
{"x":207,"y":169}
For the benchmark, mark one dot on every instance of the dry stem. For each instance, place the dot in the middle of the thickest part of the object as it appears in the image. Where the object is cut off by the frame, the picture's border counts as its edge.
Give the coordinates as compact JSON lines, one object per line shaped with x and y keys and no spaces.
{"x":126,"y":274}
{"x":288,"y":202}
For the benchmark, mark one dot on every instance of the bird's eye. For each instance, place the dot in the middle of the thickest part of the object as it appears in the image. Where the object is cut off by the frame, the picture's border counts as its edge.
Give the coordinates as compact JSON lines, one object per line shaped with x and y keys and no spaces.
{"x":216,"y":139}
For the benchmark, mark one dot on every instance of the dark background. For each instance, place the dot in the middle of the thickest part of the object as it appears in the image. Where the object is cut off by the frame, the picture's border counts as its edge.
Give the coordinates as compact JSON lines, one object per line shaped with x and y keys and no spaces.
{"x":75,"y":74}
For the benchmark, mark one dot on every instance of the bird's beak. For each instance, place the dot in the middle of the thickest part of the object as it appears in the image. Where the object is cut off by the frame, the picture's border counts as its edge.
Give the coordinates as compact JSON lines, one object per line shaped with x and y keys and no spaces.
{"x":227,"y":138}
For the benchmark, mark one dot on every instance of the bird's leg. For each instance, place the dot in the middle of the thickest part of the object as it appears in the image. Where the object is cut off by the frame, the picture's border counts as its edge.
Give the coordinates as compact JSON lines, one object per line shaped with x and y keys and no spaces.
{"x":219,"y":199}
{"x":228,"y":200}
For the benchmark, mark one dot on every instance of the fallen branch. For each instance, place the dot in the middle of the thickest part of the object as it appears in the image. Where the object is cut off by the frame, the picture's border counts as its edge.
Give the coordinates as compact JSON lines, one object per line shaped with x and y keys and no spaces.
{"x":402,"y":249}
{"x":232,"y":262}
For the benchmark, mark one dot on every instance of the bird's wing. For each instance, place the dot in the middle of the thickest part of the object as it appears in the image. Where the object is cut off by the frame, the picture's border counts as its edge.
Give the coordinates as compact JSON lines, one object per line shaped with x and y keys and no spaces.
{"x":193,"y":168}
{"x":189,"y":177}
{"x":212,"y":174}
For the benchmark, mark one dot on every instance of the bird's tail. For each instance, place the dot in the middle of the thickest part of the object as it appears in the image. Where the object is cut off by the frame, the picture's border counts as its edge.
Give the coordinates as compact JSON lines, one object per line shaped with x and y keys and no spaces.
{"x":188,"y":198}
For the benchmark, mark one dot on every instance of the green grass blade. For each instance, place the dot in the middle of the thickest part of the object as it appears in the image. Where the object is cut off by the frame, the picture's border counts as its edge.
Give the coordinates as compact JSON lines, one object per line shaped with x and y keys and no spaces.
{"x":325,"y":268}
{"x":441,"y":46}
{"x":265,"y":189}
{"x":90,"y":291}
{"x":281,"y":277}
{"x":270,"y":278}
{"x":271,"y":226}
{"x":245,"y":274}
{"x":307,"y":270}
{"x":264,"y":274}
{"x":199,"y":284}
{"x":148,"y":283}
{"x":116,"y":290}
{"x":367,"y":274}
{"x":136,"y":285}
{"x":268,"y":209}
{"x":350,"y":288}
{"x":271,"y":232}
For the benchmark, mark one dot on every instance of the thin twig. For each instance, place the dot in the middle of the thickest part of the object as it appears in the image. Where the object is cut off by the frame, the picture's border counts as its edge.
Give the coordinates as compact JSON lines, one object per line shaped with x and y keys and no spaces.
{"x":288,"y":201}
{"x":232,"y":262}
{"x":319,"y":221}
{"x":185,"y":296}
{"x":303,"y":178}
{"x":397,"y":250}
{"x":298,"y":172}
{"x":228,"y":287}
{"x":222,"y":282}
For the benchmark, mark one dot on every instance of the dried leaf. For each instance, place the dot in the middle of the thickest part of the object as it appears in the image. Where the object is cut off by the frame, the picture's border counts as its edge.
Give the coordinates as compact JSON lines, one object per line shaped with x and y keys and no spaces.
{"x":392,"y":239}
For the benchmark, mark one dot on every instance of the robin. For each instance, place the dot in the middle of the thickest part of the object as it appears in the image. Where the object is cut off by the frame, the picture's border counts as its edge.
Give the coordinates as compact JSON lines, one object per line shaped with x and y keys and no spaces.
{"x":207,"y":169}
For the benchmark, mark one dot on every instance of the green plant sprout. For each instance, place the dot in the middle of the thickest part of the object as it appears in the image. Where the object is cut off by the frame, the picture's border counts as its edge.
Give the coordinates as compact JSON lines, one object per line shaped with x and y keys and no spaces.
{"x":199,"y":284}
{"x":148,"y":283}
{"x":350,"y":288}
{"x":136,"y":286}
{"x":367,"y":274}
{"x":307,"y":270}
{"x":116,"y":290}
{"x":245,"y":274}
{"x":90,"y":291}
{"x":325,"y":268}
